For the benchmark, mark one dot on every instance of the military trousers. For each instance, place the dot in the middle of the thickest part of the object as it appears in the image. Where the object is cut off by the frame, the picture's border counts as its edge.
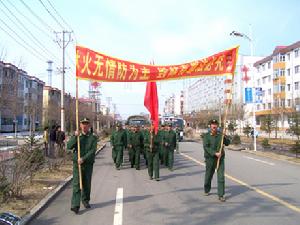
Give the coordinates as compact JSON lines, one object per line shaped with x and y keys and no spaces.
{"x":84,"y":194}
{"x":153,"y":163}
{"x":118,"y":155}
{"x":165,"y":156}
{"x":113,"y":154}
{"x":137,"y":158}
{"x":161,"y":154}
{"x":211,"y":163}
{"x":170,"y":158}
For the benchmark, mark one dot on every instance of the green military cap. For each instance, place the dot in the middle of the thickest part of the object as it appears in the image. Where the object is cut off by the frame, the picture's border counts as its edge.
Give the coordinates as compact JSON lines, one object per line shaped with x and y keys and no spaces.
{"x":213,"y":122}
{"x":85,"y":120}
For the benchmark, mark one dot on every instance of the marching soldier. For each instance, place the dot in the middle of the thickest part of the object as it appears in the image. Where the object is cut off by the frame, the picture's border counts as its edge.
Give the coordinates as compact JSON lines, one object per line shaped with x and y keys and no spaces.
{"x":170,"y":145}
{"x":161,"y":133}
{"x":118,"y":141}
{"x":211,"y":144}
{"x":177,"y":131}
{"x":143,"y":150}
{"x":152,"y":145}
{"x":88,"y":146}
{"x":135,"y":144}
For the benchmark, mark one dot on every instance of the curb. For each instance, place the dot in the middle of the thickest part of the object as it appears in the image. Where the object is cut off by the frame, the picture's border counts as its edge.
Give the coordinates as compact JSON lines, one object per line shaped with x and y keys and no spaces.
{"x":275,"y":157}
{"x":46,"y":200}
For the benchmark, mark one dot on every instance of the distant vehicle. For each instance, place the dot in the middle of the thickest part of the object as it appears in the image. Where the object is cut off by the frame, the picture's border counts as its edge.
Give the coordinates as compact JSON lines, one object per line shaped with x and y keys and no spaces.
{"x":9,"y":219}
{"x":137,"y":120}
{"x":177,"y":123}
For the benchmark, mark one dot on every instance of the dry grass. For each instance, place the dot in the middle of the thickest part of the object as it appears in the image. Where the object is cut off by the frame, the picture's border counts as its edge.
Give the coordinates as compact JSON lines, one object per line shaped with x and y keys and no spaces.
{"x":277,"y":141}
{"x":43,"y":183}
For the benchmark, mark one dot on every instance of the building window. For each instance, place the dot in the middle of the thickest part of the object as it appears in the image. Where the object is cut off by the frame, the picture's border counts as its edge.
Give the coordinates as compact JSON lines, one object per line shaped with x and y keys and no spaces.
{"x":288,"y":71}
{"x":269,"y":78}
{"x":276,"y":73}
{"x":289,"y":102}
{"x":282,"y":72}
{"x":269,"y":91}
{"x":264,"y":80}
{"x":264,"y":106}
{"x":296,"y":85}
{"x":263,"y":67}
{"x":282,"y":58}
{"x":288,"y":56}
{"x":288,"y":87}
{"x":269,"y":105}
{"x":296,"y":53}
{"x":297,"y":69}
{"x":258,"y":107}
{"x":263,"y":93}
{"x":258,"y":82}
{"x":269,"y":65}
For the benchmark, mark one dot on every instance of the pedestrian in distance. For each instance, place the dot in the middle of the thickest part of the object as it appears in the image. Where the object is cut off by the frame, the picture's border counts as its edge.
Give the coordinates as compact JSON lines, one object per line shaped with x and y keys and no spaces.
{"x":212,"y":144}
{"x":60,"y":141}
{"x":88,"y":146}
{"x":46,"y":140}
{"x":52,"y":141}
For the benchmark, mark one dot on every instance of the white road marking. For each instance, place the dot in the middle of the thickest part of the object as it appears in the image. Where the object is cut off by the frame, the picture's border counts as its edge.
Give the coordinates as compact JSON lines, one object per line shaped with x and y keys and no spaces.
{"x":119,"y":207}
{"x":259,"y":160}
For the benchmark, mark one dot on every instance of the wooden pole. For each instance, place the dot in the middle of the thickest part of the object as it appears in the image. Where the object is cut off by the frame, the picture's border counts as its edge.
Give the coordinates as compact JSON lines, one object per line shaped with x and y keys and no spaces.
{"x":224,"y":121}
{"x":223,"y":135}
{"x":78,"y":140}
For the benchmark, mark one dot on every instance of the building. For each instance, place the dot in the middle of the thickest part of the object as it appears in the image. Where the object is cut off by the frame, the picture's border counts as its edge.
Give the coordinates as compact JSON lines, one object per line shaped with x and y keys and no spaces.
{"x":174,"y":105}
{"x":279,"y":77}
{"x":20,"y":99}
{"x":206,"y":93}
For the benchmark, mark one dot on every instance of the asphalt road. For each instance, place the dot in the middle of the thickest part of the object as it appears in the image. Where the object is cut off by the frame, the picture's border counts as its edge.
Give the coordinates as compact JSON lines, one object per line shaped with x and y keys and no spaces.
{"x":258,"y":191}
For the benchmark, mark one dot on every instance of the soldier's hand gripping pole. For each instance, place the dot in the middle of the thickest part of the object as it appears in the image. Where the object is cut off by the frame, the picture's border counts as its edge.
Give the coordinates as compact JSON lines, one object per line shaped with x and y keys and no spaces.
{"x":78,"y":139}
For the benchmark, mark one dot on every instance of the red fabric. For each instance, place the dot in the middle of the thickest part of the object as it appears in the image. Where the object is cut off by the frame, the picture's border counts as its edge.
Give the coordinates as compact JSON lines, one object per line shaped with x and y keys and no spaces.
{"x":151,"y":103}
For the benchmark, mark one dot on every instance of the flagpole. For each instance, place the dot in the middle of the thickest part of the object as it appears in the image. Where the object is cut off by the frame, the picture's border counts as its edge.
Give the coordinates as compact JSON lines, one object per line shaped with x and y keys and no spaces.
{"x":229,"y":100}
{"x":78,"y":139}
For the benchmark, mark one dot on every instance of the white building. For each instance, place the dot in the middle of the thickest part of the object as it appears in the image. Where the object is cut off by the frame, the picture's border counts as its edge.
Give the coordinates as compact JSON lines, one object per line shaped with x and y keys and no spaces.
{"x":279,"y":77}
{"x":174,"y":104}
{"x":205,"y":93}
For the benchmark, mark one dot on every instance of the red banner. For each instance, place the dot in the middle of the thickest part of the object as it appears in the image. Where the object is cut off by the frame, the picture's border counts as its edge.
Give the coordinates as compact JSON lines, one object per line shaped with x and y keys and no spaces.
{"x":96,"y":66}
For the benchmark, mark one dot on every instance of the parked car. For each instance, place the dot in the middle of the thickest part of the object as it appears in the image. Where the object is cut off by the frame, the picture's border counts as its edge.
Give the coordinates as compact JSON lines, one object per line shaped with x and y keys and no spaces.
{"x":9,"y":219}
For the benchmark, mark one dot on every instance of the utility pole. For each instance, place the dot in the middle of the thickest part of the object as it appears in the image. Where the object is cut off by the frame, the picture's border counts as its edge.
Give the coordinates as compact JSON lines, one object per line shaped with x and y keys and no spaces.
{"x":63,"y":43}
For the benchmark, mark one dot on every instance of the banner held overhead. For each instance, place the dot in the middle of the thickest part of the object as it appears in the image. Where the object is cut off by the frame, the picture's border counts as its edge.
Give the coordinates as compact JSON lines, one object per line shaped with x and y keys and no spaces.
{"x":91,"y":65}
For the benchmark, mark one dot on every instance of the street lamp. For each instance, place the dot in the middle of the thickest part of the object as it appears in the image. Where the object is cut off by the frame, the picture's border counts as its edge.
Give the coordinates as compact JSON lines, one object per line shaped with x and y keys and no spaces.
{"x":238,"y":34}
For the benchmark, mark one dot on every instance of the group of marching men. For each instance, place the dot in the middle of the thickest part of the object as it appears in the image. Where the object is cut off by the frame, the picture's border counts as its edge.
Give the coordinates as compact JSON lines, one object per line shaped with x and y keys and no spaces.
{"x":157,"y":147}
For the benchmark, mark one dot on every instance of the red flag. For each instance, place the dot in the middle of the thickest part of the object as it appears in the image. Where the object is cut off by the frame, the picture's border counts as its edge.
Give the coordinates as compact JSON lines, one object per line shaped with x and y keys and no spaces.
{"x":151,"y":103}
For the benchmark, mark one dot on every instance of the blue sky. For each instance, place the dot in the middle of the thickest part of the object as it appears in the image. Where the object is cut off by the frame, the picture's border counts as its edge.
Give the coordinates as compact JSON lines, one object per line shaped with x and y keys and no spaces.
{"x":168,"y":32}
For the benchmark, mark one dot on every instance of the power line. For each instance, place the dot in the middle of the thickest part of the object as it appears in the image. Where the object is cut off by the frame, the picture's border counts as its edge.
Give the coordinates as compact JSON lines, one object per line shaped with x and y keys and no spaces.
{"x":20,"y":43}
{"x":36,"y":16}
{"x":25,"y":31}
{"x":59,"y":14}
{"x":32,"y":23}
{"x":53,"y":17}
{"x":33,"y":49}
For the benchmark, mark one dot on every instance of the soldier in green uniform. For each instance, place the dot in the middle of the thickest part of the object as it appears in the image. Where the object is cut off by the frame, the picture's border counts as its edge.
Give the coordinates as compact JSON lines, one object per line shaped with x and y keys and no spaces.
{"x":177,"y":131}
{"x":143,"y":150}
{"x":135,"y":144}
{"x":118,"y":141}
{"x":151,"y":143}
{"x":88,"y":146}
{"x":211,"y":145}
{"x":161,"y":133}
{"x":169,"y":140}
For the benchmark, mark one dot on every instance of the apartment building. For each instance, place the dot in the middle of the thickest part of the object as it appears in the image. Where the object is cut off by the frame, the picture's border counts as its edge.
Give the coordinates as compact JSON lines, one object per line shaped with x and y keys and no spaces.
{"x":20,"y":99}
{"x":279,"y":77}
